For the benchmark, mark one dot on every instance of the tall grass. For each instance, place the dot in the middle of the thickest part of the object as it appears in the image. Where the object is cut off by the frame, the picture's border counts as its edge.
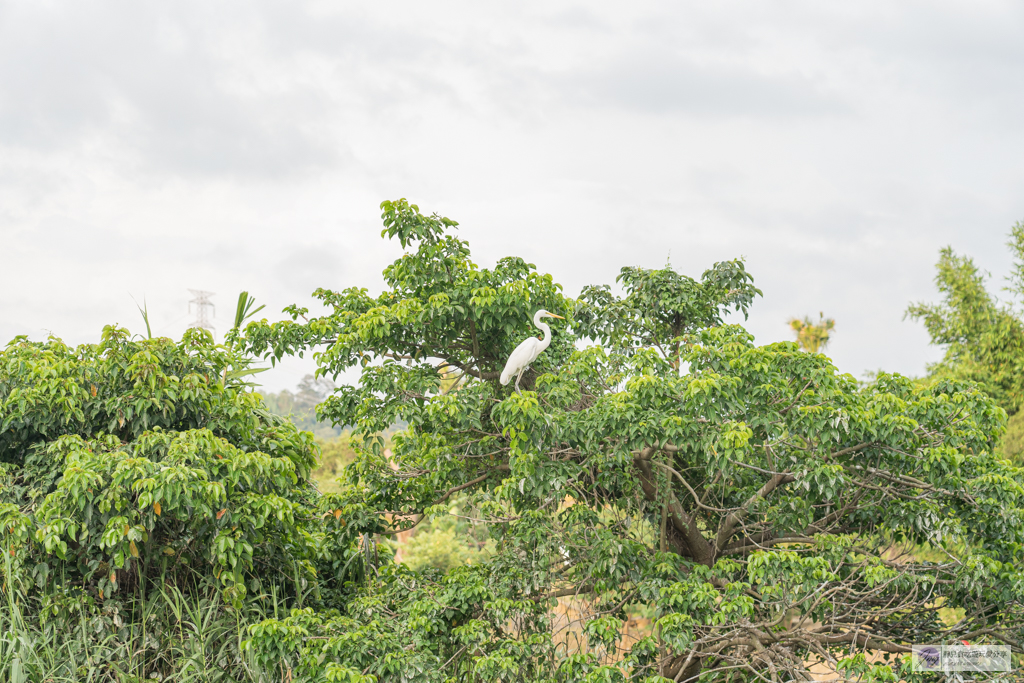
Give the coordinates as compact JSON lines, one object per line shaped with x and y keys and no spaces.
{"x":165,"y":633}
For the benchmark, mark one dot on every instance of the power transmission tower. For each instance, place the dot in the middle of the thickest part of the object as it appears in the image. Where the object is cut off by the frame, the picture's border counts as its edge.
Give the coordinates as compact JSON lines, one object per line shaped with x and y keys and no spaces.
{"x":203,"y":306}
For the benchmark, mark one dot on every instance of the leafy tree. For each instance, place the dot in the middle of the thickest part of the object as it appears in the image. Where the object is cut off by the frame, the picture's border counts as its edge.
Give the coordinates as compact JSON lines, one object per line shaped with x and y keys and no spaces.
{"x":812,"y":336}
{"x":984,"y":339}
{"x":134,"y":467}
{"x":750,"y":497}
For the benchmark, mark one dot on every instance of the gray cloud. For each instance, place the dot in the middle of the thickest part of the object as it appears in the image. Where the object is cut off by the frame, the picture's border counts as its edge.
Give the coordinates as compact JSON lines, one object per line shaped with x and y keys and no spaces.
{"x":160,"y":91}
{"x":661,"y":82}
{"x":311,"y":267}
{"x":148,"y":148}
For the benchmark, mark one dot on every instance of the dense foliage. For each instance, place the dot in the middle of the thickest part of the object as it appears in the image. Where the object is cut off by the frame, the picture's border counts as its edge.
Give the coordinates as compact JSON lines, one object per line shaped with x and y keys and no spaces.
{"x":139,"y":477}
{"x":752,"y":499}
{"x":984,"y":339}
{"x":760,"y":512}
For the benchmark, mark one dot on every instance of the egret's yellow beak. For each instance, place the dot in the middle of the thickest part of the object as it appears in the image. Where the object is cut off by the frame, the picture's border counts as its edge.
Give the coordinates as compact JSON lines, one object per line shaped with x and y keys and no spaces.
{"x":556,"y":316}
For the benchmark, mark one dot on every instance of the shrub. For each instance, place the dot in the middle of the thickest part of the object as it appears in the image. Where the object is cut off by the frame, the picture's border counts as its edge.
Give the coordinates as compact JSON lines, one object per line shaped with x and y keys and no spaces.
{"x":136,"y":468}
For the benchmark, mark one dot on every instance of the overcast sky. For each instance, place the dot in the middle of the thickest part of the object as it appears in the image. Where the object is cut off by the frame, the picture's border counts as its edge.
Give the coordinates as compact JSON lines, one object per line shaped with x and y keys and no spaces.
{"x":148,"y":148}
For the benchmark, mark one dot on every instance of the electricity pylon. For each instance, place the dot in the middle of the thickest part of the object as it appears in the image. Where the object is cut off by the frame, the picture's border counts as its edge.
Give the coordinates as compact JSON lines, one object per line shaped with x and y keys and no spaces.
{"x":203,"y":307}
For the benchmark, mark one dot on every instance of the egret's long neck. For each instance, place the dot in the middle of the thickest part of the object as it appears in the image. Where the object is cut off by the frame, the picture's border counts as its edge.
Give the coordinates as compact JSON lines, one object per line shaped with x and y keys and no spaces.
{"x":547,"y":332}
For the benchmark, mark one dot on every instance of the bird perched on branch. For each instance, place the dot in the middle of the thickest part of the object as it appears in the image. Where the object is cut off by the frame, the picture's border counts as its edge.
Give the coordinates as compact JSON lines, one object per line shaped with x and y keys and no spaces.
{"x":528,"y":351}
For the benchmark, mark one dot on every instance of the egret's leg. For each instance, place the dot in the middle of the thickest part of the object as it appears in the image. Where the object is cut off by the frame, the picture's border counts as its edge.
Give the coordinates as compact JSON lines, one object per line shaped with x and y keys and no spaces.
{"x":519,"y":377}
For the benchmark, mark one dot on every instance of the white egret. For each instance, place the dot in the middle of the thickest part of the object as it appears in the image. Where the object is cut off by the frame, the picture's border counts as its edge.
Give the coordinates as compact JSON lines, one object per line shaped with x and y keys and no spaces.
{"x":528,"y":351}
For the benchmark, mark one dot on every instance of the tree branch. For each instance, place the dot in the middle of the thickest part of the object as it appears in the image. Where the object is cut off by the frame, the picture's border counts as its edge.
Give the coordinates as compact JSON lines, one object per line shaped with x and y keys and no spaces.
{"x":455,"y":489}
{"x":696,"y":546}
{"x":562,"y":592}
{"x":728,"y":525}
{"x":482,"y":477}
{"x":474,"y":372}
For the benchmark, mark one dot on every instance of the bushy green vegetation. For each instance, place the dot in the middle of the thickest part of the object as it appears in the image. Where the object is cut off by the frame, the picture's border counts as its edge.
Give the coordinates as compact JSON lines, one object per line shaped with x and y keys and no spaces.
{"x":150,"y":510}
{"x":984,"y":338}
{"x":748,"y":497}
{"x":158,"y":521}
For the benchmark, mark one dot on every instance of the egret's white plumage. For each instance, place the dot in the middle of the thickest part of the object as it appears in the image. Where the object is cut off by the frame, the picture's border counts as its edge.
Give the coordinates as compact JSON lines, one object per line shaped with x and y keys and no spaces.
{"x":528,"y":351}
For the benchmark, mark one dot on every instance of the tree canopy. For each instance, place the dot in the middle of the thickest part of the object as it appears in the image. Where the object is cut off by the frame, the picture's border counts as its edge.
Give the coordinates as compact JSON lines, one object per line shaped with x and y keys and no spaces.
{"x":984,"y":338}
{"x":812,"y":336}
{"x":763,"y":507}
{"x":139,"y":477}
